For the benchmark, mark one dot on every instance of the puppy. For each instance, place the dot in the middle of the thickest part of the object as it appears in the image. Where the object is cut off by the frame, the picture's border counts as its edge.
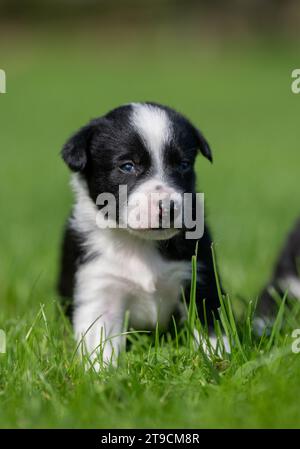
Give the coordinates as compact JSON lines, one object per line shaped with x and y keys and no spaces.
{"x":108,"y":271}
{"x":285,"y":279}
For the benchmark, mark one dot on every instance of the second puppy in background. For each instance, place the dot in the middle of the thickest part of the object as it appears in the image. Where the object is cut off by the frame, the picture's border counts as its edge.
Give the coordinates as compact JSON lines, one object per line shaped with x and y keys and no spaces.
{"x":285,"y":279}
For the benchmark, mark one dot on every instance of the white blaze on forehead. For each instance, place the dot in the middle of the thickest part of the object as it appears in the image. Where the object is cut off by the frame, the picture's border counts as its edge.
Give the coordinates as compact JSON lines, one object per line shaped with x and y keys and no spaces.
{"x":154,"y":127}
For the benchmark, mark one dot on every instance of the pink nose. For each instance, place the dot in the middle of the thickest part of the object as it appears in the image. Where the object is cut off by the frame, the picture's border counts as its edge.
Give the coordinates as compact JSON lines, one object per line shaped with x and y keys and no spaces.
{"x":168,"y":208}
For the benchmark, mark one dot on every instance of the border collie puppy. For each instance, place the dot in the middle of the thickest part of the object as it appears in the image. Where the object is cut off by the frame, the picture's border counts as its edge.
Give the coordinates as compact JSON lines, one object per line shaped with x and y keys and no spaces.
{"x":107,"y":272}
{"x":285,"y":277}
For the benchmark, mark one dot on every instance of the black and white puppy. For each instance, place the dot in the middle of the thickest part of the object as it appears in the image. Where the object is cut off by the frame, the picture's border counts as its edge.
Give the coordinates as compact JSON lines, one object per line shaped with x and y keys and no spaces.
{"x":107,"y":272}
{"x":285,"y":279}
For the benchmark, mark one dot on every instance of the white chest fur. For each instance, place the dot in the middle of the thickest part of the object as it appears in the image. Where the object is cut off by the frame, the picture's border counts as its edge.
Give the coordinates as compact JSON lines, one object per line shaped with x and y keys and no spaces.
{"x":133,"y":270}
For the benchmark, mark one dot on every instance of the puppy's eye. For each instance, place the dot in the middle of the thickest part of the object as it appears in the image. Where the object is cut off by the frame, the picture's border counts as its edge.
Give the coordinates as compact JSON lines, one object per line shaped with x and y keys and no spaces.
{"x":128,"y":167}
{"x":184,"y":166}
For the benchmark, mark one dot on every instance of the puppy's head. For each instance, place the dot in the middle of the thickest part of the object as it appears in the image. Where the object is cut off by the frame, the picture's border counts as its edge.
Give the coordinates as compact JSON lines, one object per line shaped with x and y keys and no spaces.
{"x":149,"y":150}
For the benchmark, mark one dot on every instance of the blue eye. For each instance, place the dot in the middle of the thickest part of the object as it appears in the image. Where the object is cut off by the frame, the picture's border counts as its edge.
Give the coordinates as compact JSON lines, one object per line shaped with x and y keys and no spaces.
{"x":128,"y":167}
{"x":184,"y":165}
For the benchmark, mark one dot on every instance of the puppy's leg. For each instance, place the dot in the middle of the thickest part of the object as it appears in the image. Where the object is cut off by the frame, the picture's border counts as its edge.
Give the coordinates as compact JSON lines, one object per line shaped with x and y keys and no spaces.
{"x":98,"y":325}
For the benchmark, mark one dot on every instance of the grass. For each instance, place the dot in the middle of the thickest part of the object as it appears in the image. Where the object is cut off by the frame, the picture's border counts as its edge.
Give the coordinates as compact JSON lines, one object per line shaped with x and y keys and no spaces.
{"x":240,"y":96}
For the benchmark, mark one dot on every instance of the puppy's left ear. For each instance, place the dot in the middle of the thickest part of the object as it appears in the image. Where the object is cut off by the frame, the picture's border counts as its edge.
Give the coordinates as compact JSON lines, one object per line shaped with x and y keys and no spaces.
{"x":203,"y":145}
{"x":75,"y":150}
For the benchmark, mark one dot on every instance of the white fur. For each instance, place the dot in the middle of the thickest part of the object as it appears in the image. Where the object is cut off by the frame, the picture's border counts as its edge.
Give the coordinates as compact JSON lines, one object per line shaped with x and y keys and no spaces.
{"x":154,"y":127}
{"x":127,"y":274}
{"x":292,"y":285}
{"x":213,"y":343}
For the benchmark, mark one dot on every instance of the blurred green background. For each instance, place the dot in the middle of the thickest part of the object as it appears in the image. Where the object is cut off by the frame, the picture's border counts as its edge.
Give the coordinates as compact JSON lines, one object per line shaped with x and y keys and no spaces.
{"x":227,"y":67}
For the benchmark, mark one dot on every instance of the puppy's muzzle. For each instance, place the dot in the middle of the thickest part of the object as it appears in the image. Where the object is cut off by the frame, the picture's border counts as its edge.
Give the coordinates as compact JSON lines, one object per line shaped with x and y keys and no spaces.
{"x":168,"y":211}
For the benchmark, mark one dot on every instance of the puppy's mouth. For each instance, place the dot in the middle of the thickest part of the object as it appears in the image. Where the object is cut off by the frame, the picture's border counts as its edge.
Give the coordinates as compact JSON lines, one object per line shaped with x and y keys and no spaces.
{"x":153,"y":233}
{"x":160,"y":220}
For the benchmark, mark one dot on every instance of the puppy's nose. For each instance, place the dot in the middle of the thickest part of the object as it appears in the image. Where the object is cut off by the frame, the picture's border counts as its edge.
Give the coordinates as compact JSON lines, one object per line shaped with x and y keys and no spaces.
{"x":172,"y":208}
{"x":174,"y":211}
{"x":160,"y":209}
{"x":168,"y":208}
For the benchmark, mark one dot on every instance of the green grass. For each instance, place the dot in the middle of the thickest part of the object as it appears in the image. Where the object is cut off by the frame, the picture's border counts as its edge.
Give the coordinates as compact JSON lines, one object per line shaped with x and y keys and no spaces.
{"x":240,"y":97}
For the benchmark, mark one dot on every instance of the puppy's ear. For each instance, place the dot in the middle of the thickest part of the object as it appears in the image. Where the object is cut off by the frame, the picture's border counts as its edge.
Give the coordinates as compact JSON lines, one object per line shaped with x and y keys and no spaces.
{"x":203,"y":145}
{"x":75,"y":150}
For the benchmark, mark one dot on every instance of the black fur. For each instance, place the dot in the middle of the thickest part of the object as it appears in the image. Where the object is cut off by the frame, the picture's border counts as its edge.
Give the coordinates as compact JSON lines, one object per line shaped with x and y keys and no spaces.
{"x":178,"y":248}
